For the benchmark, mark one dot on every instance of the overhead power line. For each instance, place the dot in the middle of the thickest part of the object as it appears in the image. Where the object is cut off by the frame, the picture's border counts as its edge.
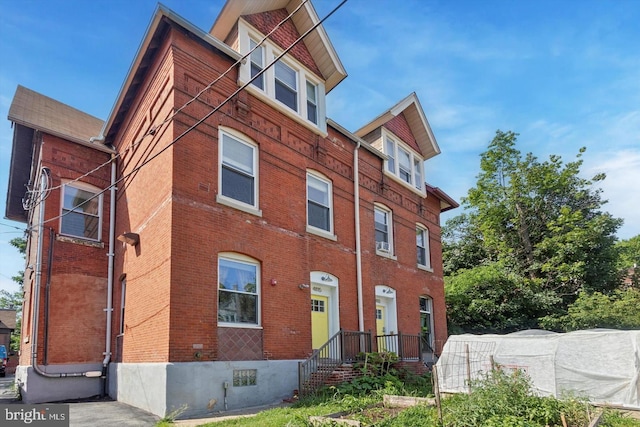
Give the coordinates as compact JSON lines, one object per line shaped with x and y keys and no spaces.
{"x":209,"y":114}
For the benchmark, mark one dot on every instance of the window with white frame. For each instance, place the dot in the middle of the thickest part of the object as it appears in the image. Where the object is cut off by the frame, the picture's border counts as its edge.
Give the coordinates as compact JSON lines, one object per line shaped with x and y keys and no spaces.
{"x":238,"y":169}
{"x":312,"y":102}
{"x":238,"y":290}
{"x":81,"y":213}
{"x":256,"y":63}
{"x":383,"y":230}
{"x":319,"y":202}
{"x":287,"y":83}
{"x":403,"y":162}
{"x":422,"y":246}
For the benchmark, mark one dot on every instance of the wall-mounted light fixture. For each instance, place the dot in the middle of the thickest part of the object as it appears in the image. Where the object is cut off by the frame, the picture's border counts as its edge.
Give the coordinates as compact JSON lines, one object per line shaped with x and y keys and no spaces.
{"x":129,"y":238}
{"x":303,"y":286}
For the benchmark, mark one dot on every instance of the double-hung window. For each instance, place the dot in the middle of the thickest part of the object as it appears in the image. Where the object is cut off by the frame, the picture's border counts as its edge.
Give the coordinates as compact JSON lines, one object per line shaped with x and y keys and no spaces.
{"x":238,"y":290}
{"x":422,"y":247}
{"x":81,"y":214}
{"x":238,"y":169}
{"x":312,"y":102}
{"x":286,"y":85}
{"x":284,"y":81}
{"x":383,"y":230}
{"x":257,"y":63}
{"x":319,"y":212}
{"x":402,"y":162}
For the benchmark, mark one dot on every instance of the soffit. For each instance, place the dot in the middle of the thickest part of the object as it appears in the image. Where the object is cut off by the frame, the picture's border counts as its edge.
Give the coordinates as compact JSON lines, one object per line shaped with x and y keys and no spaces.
{"x":417,"y":121}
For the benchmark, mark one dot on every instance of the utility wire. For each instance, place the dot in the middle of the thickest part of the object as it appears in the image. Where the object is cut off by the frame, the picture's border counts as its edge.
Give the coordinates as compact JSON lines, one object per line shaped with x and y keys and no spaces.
{"x":199,"y":122}
{"x":157,"y":127}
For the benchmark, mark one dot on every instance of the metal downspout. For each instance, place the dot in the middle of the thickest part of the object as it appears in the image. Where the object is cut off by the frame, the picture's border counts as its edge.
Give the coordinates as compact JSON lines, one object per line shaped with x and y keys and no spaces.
{"x":111,"y":254}
{"x":36,"y":294}
{"x":356,"y":197}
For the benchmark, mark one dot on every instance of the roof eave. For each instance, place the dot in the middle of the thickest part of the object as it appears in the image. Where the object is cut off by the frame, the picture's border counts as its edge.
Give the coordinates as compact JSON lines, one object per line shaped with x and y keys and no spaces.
{"x":161,"y":12}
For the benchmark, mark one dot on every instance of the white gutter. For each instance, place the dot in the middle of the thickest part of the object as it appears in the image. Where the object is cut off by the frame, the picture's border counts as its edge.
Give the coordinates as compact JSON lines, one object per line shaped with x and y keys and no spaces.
{"x":111,"y":254}
{"x":356,"y":201}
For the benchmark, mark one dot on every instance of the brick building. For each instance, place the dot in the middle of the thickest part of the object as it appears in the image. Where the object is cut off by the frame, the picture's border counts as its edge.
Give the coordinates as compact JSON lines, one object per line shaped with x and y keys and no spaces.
{"x":218,"y":227}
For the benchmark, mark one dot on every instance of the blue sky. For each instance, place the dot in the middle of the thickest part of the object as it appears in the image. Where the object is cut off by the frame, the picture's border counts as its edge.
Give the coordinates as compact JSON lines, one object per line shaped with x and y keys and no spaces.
{"x":563,"y":74}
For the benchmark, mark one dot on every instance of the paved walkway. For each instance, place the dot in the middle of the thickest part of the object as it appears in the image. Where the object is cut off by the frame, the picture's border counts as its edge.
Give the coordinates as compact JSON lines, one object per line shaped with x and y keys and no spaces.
{"x":90,"y":413}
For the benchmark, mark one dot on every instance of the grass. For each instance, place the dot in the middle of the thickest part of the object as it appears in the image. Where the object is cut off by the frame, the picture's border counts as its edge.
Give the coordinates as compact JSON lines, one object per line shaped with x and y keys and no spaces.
{"x":501,"y":399}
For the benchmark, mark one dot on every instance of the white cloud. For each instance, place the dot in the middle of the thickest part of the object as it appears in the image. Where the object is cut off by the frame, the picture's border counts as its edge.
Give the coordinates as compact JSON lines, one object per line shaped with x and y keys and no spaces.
{"x":621,"y":187}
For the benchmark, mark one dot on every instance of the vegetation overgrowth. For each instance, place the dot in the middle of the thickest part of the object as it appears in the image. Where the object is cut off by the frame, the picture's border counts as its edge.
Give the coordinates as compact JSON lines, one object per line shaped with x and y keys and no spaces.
{"x":501,"y":399}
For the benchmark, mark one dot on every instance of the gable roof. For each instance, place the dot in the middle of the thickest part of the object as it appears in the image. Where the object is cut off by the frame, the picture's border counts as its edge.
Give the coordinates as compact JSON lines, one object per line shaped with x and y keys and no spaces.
{"x":39,"y":112}
{"x":31,"y":111}
{"x":317,"y":41}
{"x":7,"y":318}
{"x":417,"y":121}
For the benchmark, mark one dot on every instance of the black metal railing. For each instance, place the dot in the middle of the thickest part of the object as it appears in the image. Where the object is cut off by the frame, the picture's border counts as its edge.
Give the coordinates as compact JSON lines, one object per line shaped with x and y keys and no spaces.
{"x":407,"y":347}
{"x":341,"y":348}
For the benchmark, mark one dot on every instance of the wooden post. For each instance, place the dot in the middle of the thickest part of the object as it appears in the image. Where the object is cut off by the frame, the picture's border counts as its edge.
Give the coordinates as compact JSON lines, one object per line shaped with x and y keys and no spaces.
{"x":436,"y":392}
{"x":468,"y":361}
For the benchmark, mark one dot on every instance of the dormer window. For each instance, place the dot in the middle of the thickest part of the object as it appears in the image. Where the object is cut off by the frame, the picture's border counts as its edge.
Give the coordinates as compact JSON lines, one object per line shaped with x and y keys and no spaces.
{"x":257,"y":63}
{"x":287,"y":84}
{"x":402,"y":162}
{"x":286,"y":80}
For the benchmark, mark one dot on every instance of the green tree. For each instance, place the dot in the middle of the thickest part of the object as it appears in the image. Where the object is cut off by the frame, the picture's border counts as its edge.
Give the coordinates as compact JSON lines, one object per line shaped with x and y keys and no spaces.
{"x":14,"y":300}
{"x":541,"y":222}
{"x":629,"y":260}
{"x":490,"y":299}
{"x":619,"y":310}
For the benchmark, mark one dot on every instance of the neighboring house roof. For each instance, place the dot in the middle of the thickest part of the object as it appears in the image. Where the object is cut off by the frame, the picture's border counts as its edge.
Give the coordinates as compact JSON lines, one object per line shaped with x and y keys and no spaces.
{"x":7,"y":318}
{"x":317,"y":41}
{"x":446,"y":202}
{"x":412,"y":110}
{"x":39,"y":112}
{"x":162,"y":18}
{"x":31,"y":111}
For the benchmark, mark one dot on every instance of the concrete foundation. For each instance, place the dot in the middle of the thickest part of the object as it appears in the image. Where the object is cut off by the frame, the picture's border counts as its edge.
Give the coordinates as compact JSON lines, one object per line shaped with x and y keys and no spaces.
{"x":35,"y":388}
{"x":198,"y":388}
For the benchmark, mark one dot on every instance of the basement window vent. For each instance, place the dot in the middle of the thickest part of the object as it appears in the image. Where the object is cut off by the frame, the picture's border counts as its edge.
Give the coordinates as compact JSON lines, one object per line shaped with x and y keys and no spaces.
{"x":244,"y":377}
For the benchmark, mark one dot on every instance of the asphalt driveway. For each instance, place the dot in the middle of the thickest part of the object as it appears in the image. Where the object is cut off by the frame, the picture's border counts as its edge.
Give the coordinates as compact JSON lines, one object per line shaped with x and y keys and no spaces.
{"x":90,"y":413}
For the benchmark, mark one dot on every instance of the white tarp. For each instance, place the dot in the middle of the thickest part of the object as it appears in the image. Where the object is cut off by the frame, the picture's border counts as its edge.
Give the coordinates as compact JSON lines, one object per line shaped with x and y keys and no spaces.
{"x":602,"y":365}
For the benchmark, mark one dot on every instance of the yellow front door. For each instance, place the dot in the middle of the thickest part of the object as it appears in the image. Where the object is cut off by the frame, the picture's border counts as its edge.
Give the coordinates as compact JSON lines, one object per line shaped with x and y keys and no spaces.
{"x":319,"y":320}
{"x":380,"y":328}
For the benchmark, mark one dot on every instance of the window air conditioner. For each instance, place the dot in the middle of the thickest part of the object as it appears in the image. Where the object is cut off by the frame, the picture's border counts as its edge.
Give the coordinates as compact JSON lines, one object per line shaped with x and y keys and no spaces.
{"x":383,"y":246}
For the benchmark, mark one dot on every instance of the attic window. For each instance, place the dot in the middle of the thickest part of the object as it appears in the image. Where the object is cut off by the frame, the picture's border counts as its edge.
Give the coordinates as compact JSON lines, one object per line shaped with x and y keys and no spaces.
{"x":402,"y":162}
{"x":286,"y":85}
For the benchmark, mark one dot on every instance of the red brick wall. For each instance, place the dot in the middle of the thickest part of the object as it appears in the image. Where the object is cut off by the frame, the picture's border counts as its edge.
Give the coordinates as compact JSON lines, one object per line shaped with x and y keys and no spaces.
{"x":76,"y":322}
{"x":172,"y":274}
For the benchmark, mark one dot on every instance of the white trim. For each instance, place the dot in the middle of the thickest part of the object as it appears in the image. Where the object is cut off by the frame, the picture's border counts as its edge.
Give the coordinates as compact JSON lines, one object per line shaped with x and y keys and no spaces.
{"x":315,"y":230}
{"x":229,"y":201}
{"x":413,"y":156}
{"x":243,"y":259}
{"x":78,"y":185}
{"x":327,"y":285}
{"x":303,"y":74}
{"x":427,"y":241}
{"x":389,"y":253}
{"x":386,"y":297}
